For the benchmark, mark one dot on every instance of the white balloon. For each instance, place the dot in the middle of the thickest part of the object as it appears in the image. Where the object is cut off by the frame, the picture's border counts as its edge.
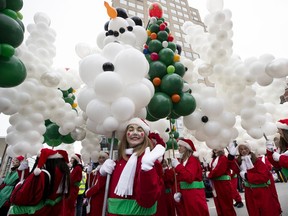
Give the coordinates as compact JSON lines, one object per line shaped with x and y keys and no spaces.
{"x":98,"y":110}
{"x":212,"y":107}
{"x":83,"y":49}
{"x":84,"y":97}
{"x":108,"y":86}
{"x":123,"y":108}
{"x":211,"y":128}
{"x":139,"y":94}
{"x":111,"y":50}
{"x":110,"y":124}
{"x":278,"y":68}
{"x":193,"y":121}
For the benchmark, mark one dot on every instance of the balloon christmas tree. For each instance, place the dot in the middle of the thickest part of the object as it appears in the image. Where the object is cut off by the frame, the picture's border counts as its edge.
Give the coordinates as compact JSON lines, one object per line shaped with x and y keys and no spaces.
{"x":12,"y":70}
{"x":172,"y":97}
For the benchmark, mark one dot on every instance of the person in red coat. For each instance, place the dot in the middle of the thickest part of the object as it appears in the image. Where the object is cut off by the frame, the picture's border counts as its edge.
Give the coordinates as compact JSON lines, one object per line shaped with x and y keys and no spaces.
{"x":221,"y":184}
{"x":95,"y":194}
{"x":256,"y":179}
{"x":75,"y":179}
{"x":190,"y":180}
{"x":134,"y":186}
{"x":44,"y":190}
{"x":19,"y":166}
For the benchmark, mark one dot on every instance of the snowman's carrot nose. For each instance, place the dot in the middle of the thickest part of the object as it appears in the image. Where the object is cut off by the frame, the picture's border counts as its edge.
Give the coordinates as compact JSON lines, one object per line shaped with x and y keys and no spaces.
{"x":112,"y":12}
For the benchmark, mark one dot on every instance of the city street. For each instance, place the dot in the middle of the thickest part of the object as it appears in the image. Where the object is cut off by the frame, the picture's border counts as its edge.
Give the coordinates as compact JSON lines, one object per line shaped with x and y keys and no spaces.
{"x":282,"y":189}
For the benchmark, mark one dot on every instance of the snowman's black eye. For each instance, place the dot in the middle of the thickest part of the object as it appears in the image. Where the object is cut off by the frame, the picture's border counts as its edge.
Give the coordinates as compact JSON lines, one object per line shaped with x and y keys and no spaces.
{"x":204,"y":119}
{"x":130,"y":28}
{"x":108,"y":66}
{"x":121,"y":30}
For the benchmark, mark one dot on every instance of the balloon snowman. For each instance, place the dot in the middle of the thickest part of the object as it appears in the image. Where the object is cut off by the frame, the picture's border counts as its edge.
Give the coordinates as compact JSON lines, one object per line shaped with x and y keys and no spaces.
{"x":115,"y":85}
{"x":12,"y":69}
{"x":246,"y":90}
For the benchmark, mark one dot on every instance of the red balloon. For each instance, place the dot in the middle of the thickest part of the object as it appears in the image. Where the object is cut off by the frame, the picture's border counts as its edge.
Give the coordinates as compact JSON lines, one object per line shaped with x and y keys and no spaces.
{"x":155,"y":10}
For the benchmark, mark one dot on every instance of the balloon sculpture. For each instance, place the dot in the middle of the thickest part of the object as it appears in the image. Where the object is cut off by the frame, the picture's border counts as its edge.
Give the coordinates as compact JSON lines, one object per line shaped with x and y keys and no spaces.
{"x":12,"y":70}
{"x":171,"y":99}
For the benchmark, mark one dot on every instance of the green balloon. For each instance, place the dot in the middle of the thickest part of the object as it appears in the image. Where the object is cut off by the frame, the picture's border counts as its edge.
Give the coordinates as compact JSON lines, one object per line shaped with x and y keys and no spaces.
{"x":52,"y":132}
{"x":185,"y":106}
{"x":166,"y":55}
{"x":157,"y":69}
{"x":11,"y":31}
{"x":67,"y":139}
{"x":151,"y":118}
{"x":172,"y":46}
{"x":154,"y":46}
{"x":160,"y":105}
{"x":6,"y":50}
{"x":53,"y":142}
{"x":179,"y":69}
{"x":15,"y":5}
{"x":176,"y":134}
{"x":12,"y":72}
{"x":171,"y":143}
{"x":162,"y":36}
{"x":174,"y":115}
{"x":154,"y":28}
{"x":173,"y":121}
{"x":2,"y":4}
{"x":172,"y":84}
{"x":147,"y":56}
{"x":69,"y":100}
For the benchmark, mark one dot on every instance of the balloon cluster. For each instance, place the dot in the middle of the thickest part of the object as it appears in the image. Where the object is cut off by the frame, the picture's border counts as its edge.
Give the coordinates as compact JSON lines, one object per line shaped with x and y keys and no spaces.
{"x":244,"y":90}
{"x":12,"y":70}
{"x":171,"y":98}
{"x":38,"y":98}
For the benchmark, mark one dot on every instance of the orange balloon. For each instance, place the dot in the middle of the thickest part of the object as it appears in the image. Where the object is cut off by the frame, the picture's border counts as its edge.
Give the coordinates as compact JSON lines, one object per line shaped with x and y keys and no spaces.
{"x":112,"y":12}
{"x":153,"y":36}
{"x":175,"y":98}
{"x":176,"y":58}
{"x":74,"y":105}
{"x":156,"y":81}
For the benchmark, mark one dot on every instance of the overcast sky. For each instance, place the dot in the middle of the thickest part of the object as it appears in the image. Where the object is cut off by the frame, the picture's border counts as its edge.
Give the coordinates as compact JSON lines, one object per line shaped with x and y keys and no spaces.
{"x":259,"y":26}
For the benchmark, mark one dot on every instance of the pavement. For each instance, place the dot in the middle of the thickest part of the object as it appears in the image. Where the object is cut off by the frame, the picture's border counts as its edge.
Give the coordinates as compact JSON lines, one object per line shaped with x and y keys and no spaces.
{"x":282,"y":190}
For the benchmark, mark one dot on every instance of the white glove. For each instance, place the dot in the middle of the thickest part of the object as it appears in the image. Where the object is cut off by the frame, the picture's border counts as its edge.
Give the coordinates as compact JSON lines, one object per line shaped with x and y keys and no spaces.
{"x":276,"y":156}
{"x":23,"y":165}
{"x":270,"y":145}
{"x":89,"y":169}
{"x":174,"y":162}
{"x":177,"y":197}
{"x":205,"y":164}
{"x":107,"y":167}
{"x":248,"y":162}
{"x":242,"y":174}
{"x":232,"y":148}
{"x":150,"y":157}
{"x":207,"y":174}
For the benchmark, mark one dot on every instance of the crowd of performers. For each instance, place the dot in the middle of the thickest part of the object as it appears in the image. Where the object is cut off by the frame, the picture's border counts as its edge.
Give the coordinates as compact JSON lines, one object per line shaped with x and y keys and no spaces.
{"x":141,"y":182}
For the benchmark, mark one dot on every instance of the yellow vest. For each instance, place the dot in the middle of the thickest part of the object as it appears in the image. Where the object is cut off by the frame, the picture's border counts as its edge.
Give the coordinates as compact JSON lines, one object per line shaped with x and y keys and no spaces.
{"x":82,"y":184}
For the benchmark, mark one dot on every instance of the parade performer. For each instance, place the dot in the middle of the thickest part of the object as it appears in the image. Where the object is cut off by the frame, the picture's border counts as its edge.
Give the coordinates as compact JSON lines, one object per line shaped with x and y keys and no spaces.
{"x":256,"y":179}
{"x":134,"y":187}
{"x":190,"y":179}
{"x":221,"y":184}
{"x":44,"y":190}
{"x":75,"y":179}
{"x":95,"y":194}
{"x":10,"y":180}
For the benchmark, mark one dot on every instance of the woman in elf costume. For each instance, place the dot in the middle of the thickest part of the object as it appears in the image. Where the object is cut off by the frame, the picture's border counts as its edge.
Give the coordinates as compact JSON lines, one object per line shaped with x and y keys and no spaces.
{"x":44,"y":190}
{"x":134,"y":187}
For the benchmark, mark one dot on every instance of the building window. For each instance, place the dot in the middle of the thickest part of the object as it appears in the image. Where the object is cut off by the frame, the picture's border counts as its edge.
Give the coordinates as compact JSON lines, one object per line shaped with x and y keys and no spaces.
{"x":140,"y":7}
{"x":173,"y":11}
{"x":180,"y":13}
{"x":176,"y":26}
{"x":184,"y":9}
{"x":186,"y":16}
{"x":172,"y":4}
{"x":178,"y":34}
{"x":181,"y":20}
{"x":123,"y":2}
{"x":131,"y":4}
{"x":174,"y":18}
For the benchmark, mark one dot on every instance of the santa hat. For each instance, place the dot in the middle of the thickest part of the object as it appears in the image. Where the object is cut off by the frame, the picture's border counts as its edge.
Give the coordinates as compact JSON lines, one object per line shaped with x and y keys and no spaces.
{"x":282,"y":124}
{"x":141,"y":123}
{"x":156,"y":139}
{"x":20,"y":158}
{"x":188,"y":144}
{"x":245,"y":144}
{"x":45,"y":154}
{"x":77,"y":157}
{"x":104,"y":154}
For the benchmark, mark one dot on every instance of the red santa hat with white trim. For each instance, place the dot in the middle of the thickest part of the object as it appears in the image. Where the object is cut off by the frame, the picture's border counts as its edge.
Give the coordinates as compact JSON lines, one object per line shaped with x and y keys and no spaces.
{"x":77,"y":157}
{"x":282,"y":124}
{"x":189,"y":145}
{"x":141,"y":123}
{"x":45,"y":154}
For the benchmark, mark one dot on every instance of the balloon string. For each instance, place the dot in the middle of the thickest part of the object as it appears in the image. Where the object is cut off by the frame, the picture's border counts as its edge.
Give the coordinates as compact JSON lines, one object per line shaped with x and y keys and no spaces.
{"x":173,"y":153}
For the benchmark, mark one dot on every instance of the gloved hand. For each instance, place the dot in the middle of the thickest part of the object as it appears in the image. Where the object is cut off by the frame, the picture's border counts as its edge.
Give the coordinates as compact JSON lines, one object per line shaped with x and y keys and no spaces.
{"x":107,"y":167}
{"x":276,"y":156}
{"x":232,"y":147}
{"x":248,"y":162}
{"x":174,"y":162}
{"x":177,"y":197}
{"x":270,"y":145}
{"x":89,"y":169}
{"x":23,"y":165}
{"x":242,"y":174}
{"x":205,"y":164}
{"x":150,"y":157}
{"x":207,"y":174}
{"x":156,"y":139}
